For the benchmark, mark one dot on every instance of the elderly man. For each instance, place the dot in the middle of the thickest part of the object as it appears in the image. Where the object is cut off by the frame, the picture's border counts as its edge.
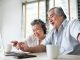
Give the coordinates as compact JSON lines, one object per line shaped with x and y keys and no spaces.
{"x":65,"y":33}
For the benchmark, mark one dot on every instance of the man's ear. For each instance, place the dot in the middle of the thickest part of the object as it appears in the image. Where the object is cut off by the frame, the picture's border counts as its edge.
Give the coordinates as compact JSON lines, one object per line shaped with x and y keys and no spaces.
{"x":78,"y":37}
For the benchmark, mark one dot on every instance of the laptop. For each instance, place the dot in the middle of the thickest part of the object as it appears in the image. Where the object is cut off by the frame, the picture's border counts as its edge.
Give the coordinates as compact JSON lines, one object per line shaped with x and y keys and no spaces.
{"x":19,"y":55}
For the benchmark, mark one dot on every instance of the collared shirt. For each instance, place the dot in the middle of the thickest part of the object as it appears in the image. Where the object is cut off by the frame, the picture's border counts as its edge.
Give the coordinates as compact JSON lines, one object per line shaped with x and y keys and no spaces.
{"x":66,"y":37}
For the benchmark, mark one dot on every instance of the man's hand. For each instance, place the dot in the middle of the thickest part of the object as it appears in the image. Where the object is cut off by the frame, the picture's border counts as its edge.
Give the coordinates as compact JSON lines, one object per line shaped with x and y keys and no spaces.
{"x":78,"y":37}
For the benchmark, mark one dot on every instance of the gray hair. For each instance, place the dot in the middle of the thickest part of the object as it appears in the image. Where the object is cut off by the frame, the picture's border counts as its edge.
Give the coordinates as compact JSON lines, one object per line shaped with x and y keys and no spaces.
{"x":41,"y":23}
{"x":58,"y":11}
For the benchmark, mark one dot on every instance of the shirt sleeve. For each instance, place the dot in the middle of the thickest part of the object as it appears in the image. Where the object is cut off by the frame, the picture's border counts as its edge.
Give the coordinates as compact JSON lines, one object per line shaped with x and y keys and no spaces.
{"x":48,"y":39}
{"x":27,"y":40}
{"x":75,"y":28}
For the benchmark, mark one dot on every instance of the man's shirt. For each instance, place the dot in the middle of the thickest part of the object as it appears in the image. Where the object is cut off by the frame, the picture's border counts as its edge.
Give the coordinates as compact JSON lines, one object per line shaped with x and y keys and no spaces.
{"x":65,"y":37}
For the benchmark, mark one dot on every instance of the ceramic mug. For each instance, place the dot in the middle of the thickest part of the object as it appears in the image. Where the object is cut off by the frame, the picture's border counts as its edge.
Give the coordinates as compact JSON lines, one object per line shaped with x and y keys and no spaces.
{"x":52,"y":51}
{"x":8,"y":48}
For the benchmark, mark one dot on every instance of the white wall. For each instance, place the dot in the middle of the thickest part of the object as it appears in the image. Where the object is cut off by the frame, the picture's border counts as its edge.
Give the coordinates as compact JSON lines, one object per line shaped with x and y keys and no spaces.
{"x":0,"y":23}
{"x":11,"y":17}
{"x":0,"y":14}
{"x":0,"y":10}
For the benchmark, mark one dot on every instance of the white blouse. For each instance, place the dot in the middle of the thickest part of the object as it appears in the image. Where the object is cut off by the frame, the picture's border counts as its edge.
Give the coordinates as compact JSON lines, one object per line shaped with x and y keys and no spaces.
{"x":32,"y":41}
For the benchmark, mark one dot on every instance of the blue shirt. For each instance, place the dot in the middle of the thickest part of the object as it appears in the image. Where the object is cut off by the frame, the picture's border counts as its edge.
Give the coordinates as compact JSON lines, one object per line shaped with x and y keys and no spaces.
{"x":66,"y":37}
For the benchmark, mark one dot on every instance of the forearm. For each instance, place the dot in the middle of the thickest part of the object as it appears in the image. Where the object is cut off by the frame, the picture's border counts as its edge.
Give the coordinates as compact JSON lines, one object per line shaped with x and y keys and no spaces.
{"x":36,"y":49}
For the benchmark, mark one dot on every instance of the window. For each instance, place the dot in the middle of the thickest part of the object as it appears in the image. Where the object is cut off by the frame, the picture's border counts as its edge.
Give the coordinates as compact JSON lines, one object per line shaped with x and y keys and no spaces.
{"x":78,"y":9}
{"x":65,"y":5}
{"x":38,"y":9}
{"x":32,"y":10}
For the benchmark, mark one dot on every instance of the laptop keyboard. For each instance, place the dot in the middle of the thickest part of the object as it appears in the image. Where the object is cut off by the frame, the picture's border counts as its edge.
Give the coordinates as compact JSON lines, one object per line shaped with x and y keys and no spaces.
{"x":19,"y":55}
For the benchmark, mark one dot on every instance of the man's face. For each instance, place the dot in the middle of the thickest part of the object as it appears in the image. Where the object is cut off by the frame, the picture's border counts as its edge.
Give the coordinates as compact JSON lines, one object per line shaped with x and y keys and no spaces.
{"x":54,"y":19}
{"x":38,"y":31}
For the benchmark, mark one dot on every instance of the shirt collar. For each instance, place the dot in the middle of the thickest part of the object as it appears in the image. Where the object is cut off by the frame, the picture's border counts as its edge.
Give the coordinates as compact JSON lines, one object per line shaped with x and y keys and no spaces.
{"x":64,"y":23}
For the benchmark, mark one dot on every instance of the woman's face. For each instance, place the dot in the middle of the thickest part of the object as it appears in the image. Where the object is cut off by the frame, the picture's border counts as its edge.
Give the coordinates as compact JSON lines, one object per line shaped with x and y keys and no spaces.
{"x":38,"y":31}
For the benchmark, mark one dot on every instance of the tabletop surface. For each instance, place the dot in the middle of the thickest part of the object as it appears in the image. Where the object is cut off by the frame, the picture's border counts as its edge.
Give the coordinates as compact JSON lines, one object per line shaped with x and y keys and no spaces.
{"x":41,"y":56}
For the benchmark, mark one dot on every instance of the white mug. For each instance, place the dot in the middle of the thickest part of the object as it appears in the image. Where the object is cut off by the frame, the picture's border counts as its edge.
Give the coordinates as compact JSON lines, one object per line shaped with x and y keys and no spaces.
{"x":52,"y":51}
{"x":8,"y":48}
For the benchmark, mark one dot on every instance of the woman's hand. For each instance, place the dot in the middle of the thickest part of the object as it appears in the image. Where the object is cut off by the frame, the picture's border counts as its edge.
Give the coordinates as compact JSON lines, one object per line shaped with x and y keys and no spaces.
{"x":14,"y":43}
{"x":22,"y":46}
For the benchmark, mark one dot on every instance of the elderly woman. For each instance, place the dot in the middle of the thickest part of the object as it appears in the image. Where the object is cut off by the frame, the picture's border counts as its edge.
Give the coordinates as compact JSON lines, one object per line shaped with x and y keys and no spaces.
{"x":39,"y":33}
